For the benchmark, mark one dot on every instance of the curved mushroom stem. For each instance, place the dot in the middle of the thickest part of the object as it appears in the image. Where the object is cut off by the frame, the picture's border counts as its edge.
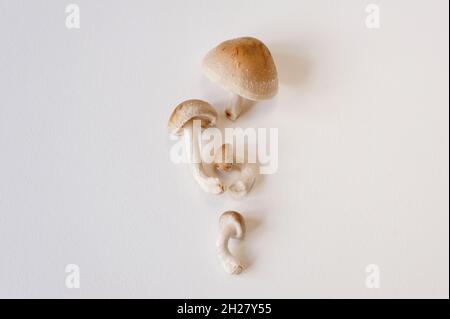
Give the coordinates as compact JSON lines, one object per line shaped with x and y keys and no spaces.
{"x":229,"y":229}
{"x":208,"y":183}
{"x":242,"y":186}
{"x":230,"y":263}
{"x":235,"y":108}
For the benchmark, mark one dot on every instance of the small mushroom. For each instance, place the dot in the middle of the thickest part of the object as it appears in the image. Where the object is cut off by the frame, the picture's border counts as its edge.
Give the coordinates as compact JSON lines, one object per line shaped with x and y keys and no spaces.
{"x":245,"y":68}
{"x":181,"y":123}
{"x":225,"y":161}
{"x":232,"y":225}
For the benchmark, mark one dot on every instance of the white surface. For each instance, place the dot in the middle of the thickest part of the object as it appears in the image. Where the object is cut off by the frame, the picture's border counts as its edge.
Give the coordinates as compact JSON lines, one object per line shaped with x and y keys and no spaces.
{"x":85,"y":176}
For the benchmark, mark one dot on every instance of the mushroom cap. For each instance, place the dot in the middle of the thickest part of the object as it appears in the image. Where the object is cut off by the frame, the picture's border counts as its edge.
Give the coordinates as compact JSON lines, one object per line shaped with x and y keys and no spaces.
{"x":191,"y":110}
{"x":234,"y":219}
{"x":243,"y":66}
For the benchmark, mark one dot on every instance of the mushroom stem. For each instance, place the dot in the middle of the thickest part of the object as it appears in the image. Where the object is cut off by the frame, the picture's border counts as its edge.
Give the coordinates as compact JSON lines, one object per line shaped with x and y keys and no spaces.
{"x":242,"y":186}
{"x":235,"y":108}
{"x":230,"y":263}
{"x":208,"y":183}
{"x":232,"y":226}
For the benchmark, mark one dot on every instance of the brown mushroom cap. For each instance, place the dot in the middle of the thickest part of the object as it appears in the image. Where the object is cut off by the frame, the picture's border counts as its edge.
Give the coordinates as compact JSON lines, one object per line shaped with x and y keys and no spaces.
{"x":236,"y":220}
{"x":191,"y":110}
{"x":243,"y":66}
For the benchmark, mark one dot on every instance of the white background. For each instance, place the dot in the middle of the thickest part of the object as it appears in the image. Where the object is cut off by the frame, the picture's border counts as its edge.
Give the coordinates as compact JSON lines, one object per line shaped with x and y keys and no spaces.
{"x":85,"y":176}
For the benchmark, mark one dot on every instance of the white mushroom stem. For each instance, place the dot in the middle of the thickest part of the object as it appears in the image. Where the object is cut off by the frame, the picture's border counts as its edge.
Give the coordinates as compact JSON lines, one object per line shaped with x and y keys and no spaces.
{"x":231,"y":226}
{"x":208,"y":183}
{"x":244,"y":184}
{"x":235,"y":108}
{"x":229,"y":262}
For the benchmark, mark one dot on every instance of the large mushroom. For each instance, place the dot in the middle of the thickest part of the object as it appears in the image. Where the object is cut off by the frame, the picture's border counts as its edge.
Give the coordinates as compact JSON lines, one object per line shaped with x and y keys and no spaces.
{"x":181,"y":123}
{"x":245,"y":68}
